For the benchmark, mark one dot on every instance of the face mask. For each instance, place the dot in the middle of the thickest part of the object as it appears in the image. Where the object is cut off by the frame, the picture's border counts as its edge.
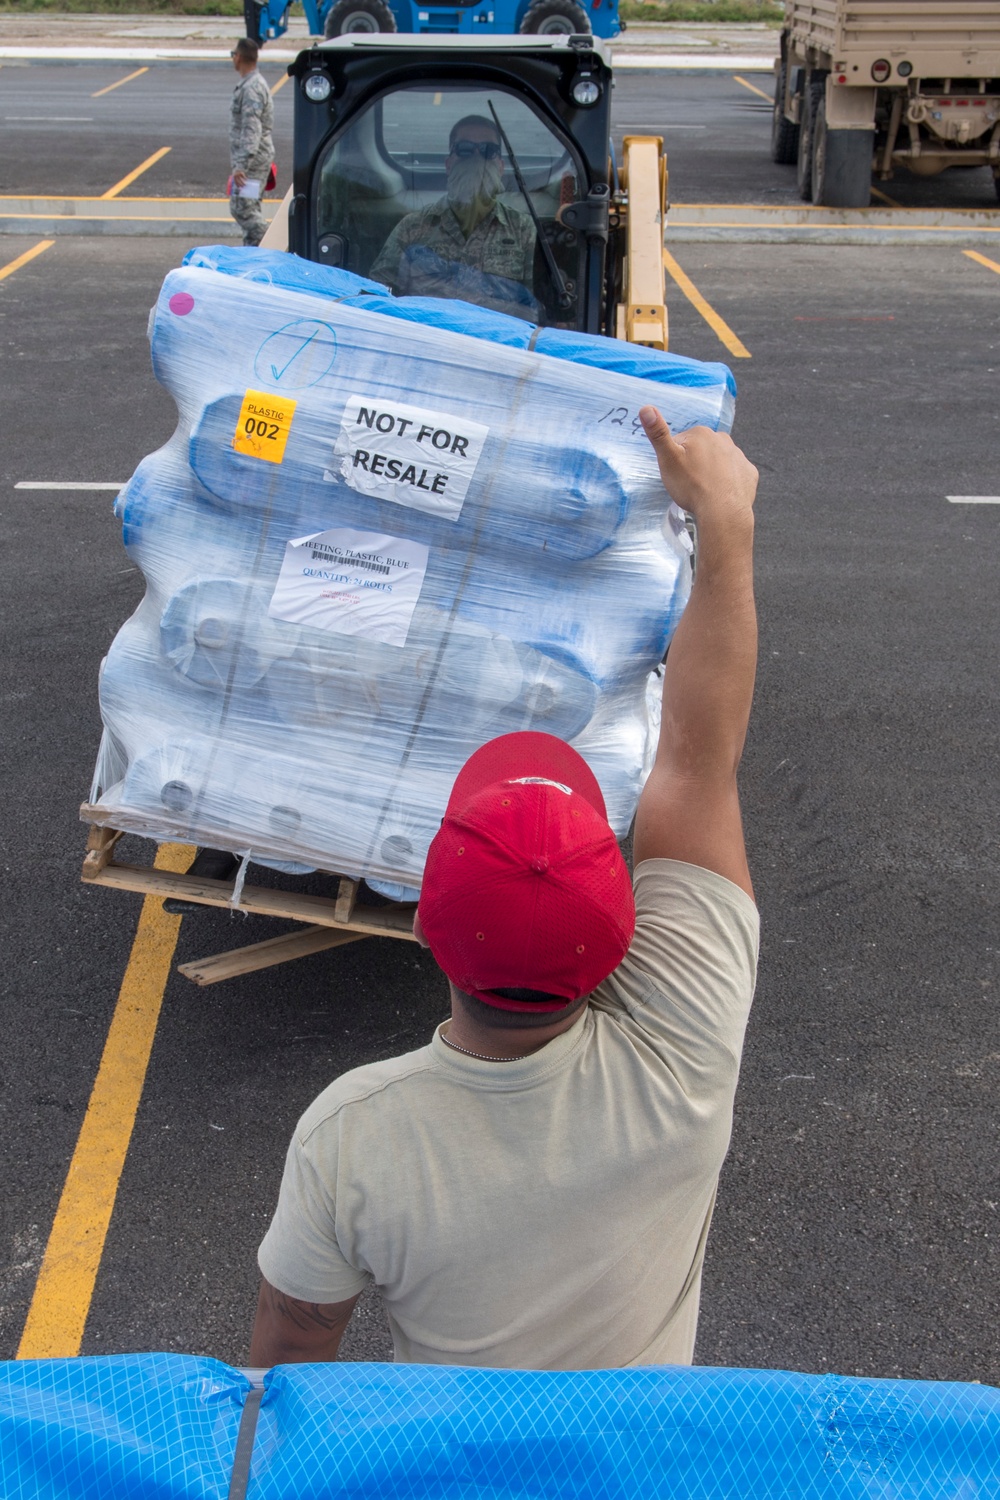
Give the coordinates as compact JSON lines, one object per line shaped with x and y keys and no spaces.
{"x":473,"y":188}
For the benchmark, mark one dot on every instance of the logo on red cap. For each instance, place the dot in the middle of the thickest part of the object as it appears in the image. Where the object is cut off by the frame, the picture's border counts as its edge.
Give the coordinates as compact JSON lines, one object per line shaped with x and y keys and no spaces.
{"x":525,"y":886}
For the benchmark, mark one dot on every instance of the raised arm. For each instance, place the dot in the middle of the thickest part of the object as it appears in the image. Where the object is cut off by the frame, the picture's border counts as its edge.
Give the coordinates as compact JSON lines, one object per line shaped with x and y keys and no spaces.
{"x":689,"y":808}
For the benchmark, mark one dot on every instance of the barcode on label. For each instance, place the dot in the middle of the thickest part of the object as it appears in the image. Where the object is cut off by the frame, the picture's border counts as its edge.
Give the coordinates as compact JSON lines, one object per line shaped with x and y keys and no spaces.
{"x":350,"y":561}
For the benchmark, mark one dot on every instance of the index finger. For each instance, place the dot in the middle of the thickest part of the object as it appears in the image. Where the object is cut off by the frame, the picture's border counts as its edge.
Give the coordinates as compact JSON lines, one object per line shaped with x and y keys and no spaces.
{"x":670,"y":454}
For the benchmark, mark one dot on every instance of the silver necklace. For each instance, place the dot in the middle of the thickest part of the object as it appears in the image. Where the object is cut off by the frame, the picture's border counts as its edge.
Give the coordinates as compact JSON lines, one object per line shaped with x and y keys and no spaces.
{"x":480,"y":1056}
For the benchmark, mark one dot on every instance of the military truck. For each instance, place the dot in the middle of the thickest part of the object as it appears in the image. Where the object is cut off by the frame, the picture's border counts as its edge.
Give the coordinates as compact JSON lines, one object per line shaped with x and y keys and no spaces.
{"x":863,"y":87}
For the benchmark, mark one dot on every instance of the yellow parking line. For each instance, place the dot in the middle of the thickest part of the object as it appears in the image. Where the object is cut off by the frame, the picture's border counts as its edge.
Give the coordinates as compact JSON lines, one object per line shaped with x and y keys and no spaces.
{"x":142,"y":167}
{"x":878,"y":193}
{"x":718,"y":325}
{"x":983,"y":260}
{"x":65,"y":1286}
{"x":22,"y":260}
{"x":137,"y":74}
{"x":752,"y":87}
{"x":280,"y":84}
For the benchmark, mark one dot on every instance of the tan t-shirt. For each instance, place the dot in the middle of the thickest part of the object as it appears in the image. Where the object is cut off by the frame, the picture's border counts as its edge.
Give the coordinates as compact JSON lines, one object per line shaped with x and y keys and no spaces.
{"x":549,"y":1212}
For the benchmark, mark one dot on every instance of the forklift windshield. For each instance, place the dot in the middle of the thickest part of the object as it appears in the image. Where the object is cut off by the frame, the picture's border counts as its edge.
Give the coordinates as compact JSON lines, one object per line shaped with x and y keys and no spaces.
{"x":455,"y":192}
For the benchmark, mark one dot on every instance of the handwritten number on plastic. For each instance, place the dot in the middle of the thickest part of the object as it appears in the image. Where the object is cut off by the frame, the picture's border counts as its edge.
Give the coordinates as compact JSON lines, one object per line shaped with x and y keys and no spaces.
{"x":263,"y":425}
{"x":620,"y":416}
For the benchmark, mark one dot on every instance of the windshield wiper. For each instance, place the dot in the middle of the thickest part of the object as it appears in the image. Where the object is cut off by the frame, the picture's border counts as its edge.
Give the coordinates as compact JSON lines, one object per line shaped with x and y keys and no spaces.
{"x":563,"y":297}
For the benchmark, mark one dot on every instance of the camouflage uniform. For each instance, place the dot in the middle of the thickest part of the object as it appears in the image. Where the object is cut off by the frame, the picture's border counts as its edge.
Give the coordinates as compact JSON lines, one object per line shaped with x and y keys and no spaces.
{"x":251,"y":150}
{"x":502,"y":244}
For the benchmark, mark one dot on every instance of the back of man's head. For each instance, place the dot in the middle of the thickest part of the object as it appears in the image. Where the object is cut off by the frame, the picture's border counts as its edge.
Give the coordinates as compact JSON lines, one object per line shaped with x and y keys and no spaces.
{"x":247,"y":51}
{"x":526,"y":902}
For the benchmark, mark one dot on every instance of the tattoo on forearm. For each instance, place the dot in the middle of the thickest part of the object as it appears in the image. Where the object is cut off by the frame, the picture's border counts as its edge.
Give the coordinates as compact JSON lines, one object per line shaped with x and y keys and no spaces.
{"x":304,"y":1315}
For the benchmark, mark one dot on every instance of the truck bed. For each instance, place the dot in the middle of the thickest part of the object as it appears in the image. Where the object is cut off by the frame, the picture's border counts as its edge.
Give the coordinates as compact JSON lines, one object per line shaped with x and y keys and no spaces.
{"x":940,"y":38}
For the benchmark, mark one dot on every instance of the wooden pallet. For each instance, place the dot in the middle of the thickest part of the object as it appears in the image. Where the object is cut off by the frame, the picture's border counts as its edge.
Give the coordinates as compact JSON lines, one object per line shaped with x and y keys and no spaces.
{"x":331,"y":921}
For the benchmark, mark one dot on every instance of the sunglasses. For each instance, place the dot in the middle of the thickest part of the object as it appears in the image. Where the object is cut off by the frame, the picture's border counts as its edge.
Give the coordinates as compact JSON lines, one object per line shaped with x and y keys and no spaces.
{"x":489,"y":150}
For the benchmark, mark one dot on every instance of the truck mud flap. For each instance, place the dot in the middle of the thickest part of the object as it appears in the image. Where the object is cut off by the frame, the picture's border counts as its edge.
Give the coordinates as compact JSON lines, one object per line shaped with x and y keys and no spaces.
{"x":842,"y":166}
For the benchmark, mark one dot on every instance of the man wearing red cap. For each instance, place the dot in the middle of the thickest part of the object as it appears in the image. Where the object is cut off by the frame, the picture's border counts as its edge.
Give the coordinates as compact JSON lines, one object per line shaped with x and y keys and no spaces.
{"x":534,"y":1188}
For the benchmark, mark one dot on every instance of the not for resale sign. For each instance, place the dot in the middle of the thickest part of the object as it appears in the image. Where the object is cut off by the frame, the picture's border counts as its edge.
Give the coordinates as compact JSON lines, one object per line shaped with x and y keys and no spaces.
{"x":263,"y":426}
{"x":409,"y":455}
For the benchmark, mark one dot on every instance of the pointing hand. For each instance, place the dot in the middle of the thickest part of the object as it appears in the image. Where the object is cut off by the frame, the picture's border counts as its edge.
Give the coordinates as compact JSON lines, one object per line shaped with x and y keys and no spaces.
{"x":703,"y":471}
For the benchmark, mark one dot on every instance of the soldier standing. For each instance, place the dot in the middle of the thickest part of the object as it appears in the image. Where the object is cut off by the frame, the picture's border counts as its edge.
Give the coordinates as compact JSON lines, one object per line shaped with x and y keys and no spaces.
{"x":251,"y":148}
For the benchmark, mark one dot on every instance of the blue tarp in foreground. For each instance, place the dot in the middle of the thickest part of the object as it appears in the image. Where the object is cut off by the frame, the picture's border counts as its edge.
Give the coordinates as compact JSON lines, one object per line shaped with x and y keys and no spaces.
{"x":158,"y":1425}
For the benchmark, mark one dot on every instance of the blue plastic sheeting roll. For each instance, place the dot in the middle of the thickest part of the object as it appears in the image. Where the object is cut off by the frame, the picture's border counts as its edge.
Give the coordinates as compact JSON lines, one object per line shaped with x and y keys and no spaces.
{"x":566,"y":503}
{"x":334,"y":1431}
{"x":277,"y":268}
{"x":274,"y":268}
{"x":156,"y":1427}
{"x":384,"y":531}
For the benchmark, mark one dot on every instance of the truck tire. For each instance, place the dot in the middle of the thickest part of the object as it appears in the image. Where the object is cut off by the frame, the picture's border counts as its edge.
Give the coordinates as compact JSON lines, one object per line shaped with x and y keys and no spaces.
{"x":841,"y":165}
{"x":358,"y":15}
{"x":784,"y":135}
{"x":808,"y":105}
{"x":555,"y":18}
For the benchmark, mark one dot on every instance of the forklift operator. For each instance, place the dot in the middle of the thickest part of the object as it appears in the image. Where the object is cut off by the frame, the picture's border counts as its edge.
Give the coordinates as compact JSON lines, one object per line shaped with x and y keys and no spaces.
{"x":468,"y":244}
{"x":534,"y":1188}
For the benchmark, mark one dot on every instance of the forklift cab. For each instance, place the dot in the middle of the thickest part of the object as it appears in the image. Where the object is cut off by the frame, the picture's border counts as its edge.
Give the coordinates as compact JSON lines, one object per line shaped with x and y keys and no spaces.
{"x":460,"y":167}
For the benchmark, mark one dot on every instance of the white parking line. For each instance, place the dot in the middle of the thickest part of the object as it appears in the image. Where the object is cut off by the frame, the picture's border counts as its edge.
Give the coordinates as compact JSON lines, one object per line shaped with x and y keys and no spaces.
{"x":973,"y":499}
{"x":62,"y":484}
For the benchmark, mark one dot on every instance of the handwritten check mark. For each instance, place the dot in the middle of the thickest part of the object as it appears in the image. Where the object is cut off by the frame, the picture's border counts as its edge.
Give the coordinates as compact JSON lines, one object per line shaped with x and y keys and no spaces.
{"x":303,"y":346}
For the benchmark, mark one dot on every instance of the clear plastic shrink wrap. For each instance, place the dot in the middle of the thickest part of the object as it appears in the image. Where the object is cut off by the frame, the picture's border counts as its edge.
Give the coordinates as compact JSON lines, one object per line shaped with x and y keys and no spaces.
{"x":384,"y":531}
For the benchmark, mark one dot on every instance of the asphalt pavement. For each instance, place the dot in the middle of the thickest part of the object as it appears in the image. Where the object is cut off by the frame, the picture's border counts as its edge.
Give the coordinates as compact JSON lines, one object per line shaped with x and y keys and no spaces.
{"x":69,"y":137}
{"x":64,"y":140}
{"x":858,"y":1223}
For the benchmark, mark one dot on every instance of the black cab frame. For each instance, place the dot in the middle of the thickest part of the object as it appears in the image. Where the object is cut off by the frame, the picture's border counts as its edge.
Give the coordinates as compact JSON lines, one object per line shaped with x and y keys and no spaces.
{"x":396,"y":135}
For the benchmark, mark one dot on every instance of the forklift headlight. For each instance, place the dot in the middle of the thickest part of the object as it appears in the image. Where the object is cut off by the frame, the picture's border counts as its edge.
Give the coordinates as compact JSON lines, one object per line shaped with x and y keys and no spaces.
{"x":585,"y":92}
{"x":317,"y":87}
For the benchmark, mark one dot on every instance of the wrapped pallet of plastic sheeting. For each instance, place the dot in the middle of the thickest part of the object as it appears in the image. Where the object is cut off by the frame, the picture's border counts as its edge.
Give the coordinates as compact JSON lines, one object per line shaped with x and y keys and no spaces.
{"x":384,"y":531}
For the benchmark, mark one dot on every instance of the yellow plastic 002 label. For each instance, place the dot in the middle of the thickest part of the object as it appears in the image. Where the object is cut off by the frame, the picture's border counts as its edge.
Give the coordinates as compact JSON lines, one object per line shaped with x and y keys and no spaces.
{"x":263,"y":426}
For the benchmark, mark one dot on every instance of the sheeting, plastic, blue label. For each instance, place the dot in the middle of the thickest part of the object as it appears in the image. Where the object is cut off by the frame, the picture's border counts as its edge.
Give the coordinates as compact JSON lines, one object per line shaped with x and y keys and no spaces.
{"x":164,"y":1426}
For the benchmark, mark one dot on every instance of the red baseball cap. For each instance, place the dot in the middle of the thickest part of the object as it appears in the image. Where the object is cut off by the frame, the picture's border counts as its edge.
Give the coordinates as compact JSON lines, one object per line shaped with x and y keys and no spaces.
{"x":525,"y":886}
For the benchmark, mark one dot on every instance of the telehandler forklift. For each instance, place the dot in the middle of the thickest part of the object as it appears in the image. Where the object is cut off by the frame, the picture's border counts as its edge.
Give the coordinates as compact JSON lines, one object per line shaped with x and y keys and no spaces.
{"x":267,"y":20}
{"x":373,"y":115}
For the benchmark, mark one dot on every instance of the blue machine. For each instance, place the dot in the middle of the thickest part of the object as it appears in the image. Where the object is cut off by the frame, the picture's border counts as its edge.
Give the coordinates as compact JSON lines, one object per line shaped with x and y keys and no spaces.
{"x":268,"y":19}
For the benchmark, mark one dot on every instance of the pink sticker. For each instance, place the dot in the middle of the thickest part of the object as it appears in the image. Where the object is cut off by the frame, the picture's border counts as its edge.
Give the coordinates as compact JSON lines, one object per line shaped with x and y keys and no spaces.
{"x":181,"y":303}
